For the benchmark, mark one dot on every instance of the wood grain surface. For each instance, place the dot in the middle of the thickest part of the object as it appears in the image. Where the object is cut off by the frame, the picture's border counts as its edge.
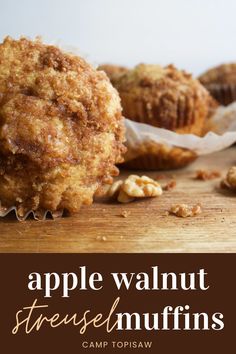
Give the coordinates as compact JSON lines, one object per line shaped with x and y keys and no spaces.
{"x":148,"y":228}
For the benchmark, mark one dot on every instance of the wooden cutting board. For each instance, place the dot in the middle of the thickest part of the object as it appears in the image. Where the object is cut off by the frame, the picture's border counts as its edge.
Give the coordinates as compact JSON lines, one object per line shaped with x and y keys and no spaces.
{"x":102,"y":228}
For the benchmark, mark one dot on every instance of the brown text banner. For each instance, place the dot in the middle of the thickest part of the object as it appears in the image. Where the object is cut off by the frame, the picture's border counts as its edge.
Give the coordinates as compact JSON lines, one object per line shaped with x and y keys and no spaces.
{"x":115,"y":303}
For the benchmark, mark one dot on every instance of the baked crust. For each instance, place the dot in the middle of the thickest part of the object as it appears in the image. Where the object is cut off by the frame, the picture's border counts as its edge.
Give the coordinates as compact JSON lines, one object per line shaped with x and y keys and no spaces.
{"x":61,"y":128}
{"x":164,"y":97}
{"x":221,"y":74}
{"x":221,"y":83}
{"x":114,"y":72}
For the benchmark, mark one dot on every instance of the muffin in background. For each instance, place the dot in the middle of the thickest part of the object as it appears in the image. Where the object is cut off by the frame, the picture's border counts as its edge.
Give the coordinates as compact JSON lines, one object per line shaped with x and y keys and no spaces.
{"x":220,"y":81}
{"x":163,"y":97}
{"x":153,"y":156}
{"x":113,"y":71}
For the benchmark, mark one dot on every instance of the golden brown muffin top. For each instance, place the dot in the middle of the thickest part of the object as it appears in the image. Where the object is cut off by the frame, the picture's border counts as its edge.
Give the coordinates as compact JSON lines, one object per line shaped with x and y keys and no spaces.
{"x":61,"y":128}
{"x":51,"y":103}
{"x":170,"y":98}
{"x":222,"y":74}
{"x":156,"y":76}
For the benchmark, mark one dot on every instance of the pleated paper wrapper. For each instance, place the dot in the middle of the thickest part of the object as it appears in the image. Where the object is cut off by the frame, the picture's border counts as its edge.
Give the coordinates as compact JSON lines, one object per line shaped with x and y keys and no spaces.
{"x":221,"y":133}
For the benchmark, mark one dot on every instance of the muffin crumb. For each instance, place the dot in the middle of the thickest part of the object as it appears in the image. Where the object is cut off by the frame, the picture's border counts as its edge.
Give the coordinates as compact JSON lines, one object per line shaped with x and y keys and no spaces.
{"x":161,"y":176}
{"x":185,"y":210}
{"x":125,"y":213}
{"x":101,"y":238}
{"x":204,"y":175}
{"x":169,"y":186}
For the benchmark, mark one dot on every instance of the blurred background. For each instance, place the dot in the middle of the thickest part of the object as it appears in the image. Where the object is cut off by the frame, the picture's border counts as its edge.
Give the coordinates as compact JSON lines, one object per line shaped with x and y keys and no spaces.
{"x":192,"y":34}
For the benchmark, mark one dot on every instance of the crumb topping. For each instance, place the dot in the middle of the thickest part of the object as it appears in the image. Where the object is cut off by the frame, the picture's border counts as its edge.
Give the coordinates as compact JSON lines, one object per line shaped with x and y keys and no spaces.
{"x":164,"y":97}
{"x":222,"y":74}
{"x":61,"y":128}
{"x":114,"y":72}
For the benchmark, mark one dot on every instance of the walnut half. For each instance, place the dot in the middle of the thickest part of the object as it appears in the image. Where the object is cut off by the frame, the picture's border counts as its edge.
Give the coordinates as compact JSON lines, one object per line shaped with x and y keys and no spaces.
{"x":135,"y":187}
{"x":231,"y":177}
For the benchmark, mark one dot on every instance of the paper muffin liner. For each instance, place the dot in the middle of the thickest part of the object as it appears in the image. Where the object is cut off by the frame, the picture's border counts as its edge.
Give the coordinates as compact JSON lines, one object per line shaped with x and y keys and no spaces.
{"x":37,"y":214}
{"x":225,"y":94}
{"x":149,"y":155}
{"x":221,"y":133}
{"x":185,"y":118}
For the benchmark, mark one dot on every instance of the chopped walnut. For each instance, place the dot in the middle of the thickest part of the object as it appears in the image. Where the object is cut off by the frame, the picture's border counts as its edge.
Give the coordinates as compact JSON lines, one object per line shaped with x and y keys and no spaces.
{"x":116,"y":192}
{"x":134,"y":187}
{"x":207,"y":175}
{"x":231,"y":177}
{"x":230,"y":181}
{"x":184,"y":210}
{"x":170,"y":185}
{"x":123,"y":197}
{"x":140,"y":187}
{"x":114,"y":189}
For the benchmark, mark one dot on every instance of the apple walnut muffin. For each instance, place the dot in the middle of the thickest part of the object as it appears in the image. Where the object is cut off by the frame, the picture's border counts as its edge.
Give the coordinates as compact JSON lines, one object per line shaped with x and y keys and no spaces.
{"x":167,"y":98}
{"x":61,"y":128}
{"x":220,"y":81}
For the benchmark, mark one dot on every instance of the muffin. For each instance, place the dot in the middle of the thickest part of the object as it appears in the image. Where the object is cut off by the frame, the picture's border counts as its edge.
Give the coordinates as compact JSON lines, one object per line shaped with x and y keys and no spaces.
{"x":113,"y":71}
{"x":167,"y":98}
{"x":221,"y":83}
{"x":153,"y":156}
{"x":61,"y":128}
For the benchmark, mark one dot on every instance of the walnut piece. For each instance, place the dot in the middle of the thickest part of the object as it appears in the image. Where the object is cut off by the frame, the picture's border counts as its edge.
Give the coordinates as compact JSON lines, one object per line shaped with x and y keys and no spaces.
{"x":184,"y":210}
{"x":170,"y":185}
{"x":140,"y":187}
{"x":231,"y":177}
{"x":207,"y":175}
{"x":114,"y":189}
{"x":123,"y":197}
{"x":134,"y":187}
